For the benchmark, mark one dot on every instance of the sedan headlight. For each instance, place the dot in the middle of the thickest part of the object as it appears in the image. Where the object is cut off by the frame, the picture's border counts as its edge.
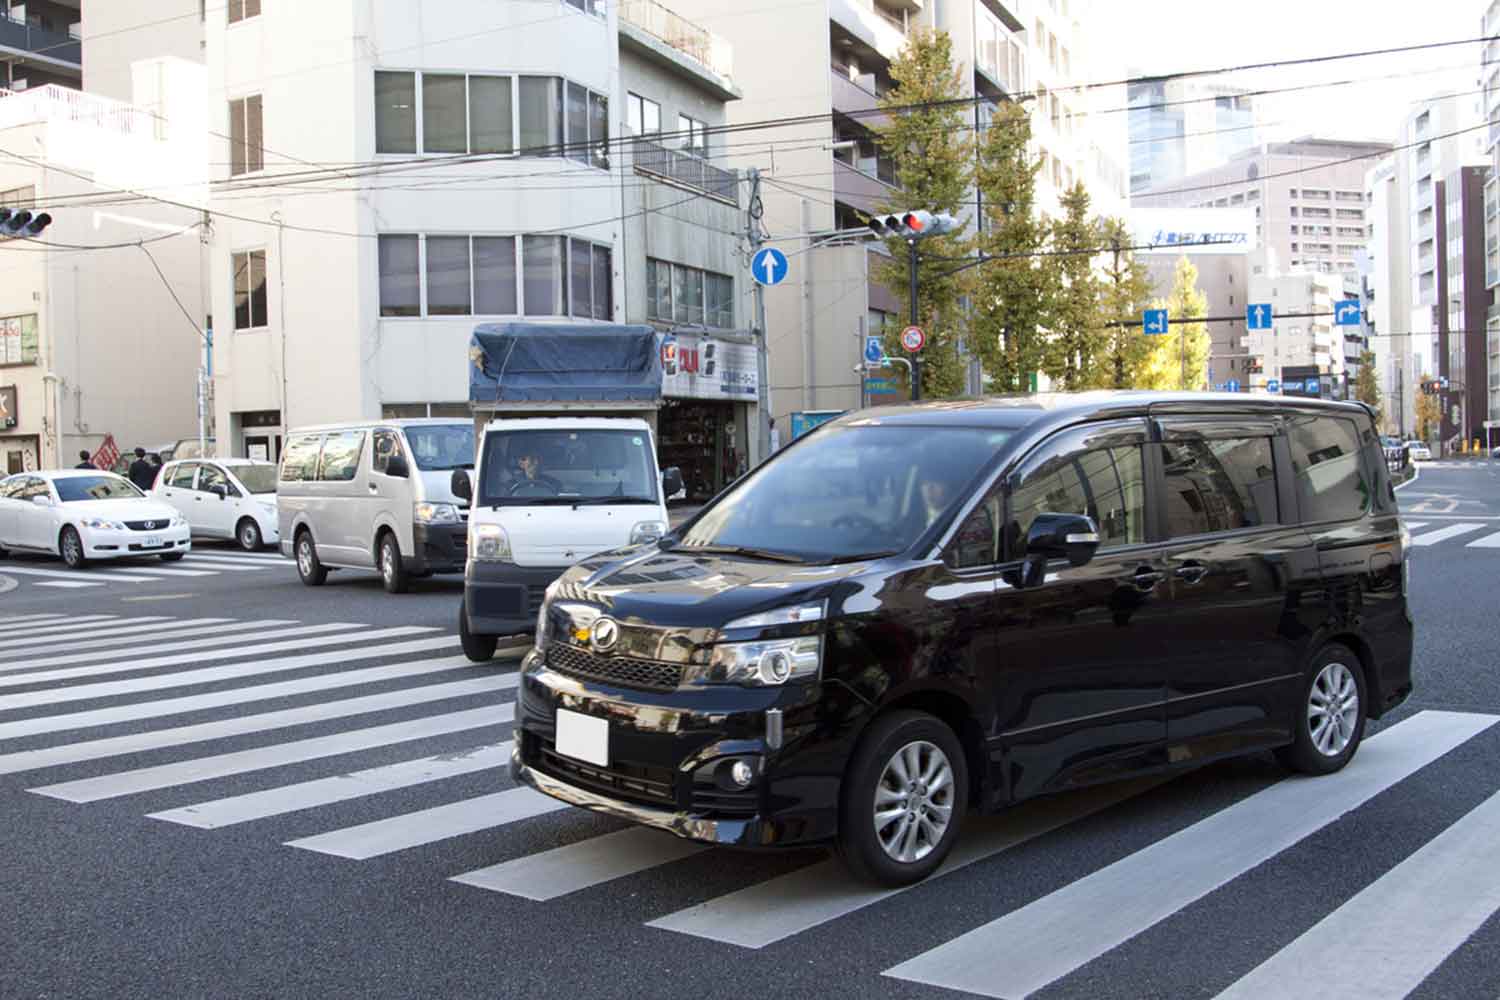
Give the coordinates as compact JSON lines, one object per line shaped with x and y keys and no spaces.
{"x":178,"y":521}
{"x":436,"y":513}
{"x":489,"y":542}
{"x":761,"y":664}
{"x":102,"y":524}
{"x":647,"y":531}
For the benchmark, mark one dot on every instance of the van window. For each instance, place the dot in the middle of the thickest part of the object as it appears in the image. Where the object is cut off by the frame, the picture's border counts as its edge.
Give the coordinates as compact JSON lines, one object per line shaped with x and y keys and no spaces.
{"x":387,"y":445}
{"x":442,"y":447}
{"x":299,"y":460}
{"x":340,"y":456}
{"x":1106,"y":484}
{"x":1331,"y":481}
{"x":182,"y":475}
{"x":1219,"y":485}
{"x":534,"y":467}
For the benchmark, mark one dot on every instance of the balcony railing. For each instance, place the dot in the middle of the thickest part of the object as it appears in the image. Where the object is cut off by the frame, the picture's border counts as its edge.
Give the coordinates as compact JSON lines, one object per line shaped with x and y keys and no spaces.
{"x":685,"y":168}
{"x":683,"y":35}
{"x":29,"y":38}
{"x":54,"y":103}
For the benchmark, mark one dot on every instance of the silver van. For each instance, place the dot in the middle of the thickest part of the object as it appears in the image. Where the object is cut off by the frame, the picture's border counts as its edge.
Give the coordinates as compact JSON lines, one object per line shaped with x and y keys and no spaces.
{"x":375,"y":495}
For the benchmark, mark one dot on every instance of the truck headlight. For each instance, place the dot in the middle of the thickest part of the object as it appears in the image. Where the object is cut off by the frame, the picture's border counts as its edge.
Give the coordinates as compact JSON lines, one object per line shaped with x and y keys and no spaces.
{"x":436,"y":513}
{"x":489,"y":542}
{"x":647,"y":531}
{"x":761,"y":664}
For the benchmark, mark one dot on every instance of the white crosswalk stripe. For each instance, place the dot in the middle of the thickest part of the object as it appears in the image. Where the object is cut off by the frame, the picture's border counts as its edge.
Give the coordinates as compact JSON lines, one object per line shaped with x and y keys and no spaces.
{"x":68,"y":584}
{"x":131,"y":635}
{"x":77,"y":576}
{"x":1443,"y":534}
{"x":428,"y":826}
{"x":8,"y":621}
{"x":1487,"y":542}
{"x":49,"y":663}
{"x":196,"y":564}
{"x":73,"y":625}
{"x":565,"y":870}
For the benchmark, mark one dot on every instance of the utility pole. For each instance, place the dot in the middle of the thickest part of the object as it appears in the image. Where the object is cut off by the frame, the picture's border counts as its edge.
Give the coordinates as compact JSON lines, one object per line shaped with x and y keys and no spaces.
{"x":916,"y":359}
{"x":754,"y":211}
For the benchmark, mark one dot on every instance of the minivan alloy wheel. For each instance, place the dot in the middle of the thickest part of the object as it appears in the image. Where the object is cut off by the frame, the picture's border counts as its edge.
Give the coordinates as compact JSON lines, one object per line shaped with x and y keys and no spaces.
{"x":1333,"y":709}
{"x":914,"y":801}
{"x":304,"y":557}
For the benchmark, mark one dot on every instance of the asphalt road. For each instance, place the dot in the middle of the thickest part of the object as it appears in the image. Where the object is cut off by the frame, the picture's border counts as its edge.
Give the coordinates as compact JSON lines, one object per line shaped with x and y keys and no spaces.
{"x":151,"y":790}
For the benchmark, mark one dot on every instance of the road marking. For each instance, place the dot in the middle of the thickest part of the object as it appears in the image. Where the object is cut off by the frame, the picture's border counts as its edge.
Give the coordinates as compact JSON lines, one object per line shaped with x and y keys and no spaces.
{"x":76,"y":574}
{"x":158,"y":682}
{"x":10,"y":620}
{"x":427,"y":826}
{"x":338,"y":788}
{"x":68,"y":584}
{"x":236,"y":696}
{"x":76,"y":625}
{"x":166,"y":571}
{"x":765,"y":913}
{"x":1049,"y":938}
{"x":587,"y":863}
{"x":1391,"y":936}
{"x":187,"y":772}
{"x":114,"y":746}
{"x":132,"y":634}
{"x":252,"y":562}
{"x":1414,"y":525}
{"x":199,"y":647}
{"x":1443,"y":534}
{"x":158,"y":597}
{"x":1487,"y":542}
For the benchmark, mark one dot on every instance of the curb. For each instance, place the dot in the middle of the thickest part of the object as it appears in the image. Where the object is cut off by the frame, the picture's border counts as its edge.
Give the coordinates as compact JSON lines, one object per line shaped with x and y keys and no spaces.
{"x":1416,"y":471}
{"x":7,"y":584}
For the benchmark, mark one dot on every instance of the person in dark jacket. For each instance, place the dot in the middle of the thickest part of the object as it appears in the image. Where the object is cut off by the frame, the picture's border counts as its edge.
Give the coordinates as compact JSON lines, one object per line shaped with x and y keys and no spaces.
{"x":142,"y":472}
{"x":84,"y":461}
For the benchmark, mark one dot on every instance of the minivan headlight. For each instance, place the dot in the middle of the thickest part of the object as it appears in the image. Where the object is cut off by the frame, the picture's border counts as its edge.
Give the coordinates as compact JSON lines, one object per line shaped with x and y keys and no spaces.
{"x":541,"y":626}
{"x":436,"y":513}
{"x":489,"y":542}
{"x":647,"y":531}
{"x":761,"y":664}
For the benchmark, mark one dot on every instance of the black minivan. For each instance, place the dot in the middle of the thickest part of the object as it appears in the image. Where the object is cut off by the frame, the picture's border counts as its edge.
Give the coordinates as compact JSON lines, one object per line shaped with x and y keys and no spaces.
{"x":920,"y":610}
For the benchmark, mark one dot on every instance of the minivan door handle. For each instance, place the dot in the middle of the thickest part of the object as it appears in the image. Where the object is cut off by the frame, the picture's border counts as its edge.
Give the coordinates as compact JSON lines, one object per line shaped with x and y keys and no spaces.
{"x":373,"y":488}
{"x":1146,"y":579}
{"x":1192,"y":572}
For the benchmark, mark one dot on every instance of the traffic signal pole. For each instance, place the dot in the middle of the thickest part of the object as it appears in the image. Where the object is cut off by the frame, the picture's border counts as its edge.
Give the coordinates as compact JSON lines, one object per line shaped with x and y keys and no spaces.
{"x":916,"y":359}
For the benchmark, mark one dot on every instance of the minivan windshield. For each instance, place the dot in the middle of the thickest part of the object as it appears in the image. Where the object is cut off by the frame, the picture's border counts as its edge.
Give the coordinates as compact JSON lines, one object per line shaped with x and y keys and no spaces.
{"x":540,"y":467}
{"x":442,"y":446}
{"x":848,"y":492}
{"x":256,"y":478}
{"x":75,"y":488}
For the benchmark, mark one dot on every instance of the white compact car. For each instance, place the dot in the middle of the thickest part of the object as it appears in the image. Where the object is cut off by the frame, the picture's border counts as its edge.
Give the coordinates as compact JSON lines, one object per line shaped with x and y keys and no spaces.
{"x":84,"y":514}
{"x":223,"y":498}
{"x":1419,"y":451}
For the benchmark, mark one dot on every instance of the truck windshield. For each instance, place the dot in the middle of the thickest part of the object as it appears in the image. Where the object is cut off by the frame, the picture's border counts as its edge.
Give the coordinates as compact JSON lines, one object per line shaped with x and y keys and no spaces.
{"x":442,"y":446}
{"x":537,"y":467}
{"x":849,"y":492}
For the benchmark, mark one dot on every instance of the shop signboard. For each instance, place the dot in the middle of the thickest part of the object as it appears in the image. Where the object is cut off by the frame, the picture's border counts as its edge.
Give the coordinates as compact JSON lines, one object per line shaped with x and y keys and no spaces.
{"x":700,"y":367}
{"x":804,"y":421}
{"x":18,"y":340}
{"x":9,"y":407}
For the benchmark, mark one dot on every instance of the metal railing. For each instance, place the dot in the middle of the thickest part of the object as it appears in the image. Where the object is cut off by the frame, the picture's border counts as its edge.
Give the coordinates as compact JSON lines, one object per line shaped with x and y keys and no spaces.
{"x":681,"y":167}
{"x":683,"y":35}
{"x":54,"y":103}
{"x":31,"y":38}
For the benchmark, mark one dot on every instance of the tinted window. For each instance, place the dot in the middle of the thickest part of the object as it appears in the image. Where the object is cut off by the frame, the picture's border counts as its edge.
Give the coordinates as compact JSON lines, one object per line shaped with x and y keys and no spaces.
{"x":341,"y":456}
{"x":978,"y":540}
{"x":75,"y":488}
{"x":1107,"y":484}
{"x":1218,"y":485}
{"x":300,"y":459}
{"x":181,"y":475}
{"x":1330,"y":478}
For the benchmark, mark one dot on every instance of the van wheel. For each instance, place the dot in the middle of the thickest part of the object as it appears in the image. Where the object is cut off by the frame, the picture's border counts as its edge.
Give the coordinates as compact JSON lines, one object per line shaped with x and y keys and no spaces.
{"x":71,"y":547}
{"x":1331,"y":714}
{"x":479,"y":648}
{"x":248,"y":535}
{"x":903,"y":799}
{"x":392,"y":573}
{"x":311,"y":571}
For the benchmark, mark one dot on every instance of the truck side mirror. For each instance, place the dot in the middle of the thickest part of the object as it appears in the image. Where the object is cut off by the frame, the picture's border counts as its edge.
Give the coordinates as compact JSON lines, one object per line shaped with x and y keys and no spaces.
{"x":671,"y":482}
{"x":460,"y":485}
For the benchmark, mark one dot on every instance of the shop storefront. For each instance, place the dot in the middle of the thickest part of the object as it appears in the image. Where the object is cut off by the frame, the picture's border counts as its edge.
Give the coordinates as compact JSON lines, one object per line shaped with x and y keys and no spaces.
{"x":709,"y":387}
{"x":19,"y":452}
{"x":260,"y":432}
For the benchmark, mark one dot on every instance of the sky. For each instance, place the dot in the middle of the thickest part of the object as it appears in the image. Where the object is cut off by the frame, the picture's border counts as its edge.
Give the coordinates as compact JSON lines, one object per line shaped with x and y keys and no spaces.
{"x":1163,"y":36}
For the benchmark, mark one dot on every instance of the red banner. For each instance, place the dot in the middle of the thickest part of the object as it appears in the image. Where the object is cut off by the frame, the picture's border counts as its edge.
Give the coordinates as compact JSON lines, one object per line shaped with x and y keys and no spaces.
{"x":107,"y":455}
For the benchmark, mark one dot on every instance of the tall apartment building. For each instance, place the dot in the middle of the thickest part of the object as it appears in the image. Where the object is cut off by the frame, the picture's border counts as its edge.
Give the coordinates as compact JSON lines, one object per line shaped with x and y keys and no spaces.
{"x":538,"y":160}
{"x":95,"y":343}
{"x":1462,"y":355}
{"x":1179,"y":128}
{"x":1489,"y":74}
{"x":1388,"y":291}
{"x":1298,"y":340}
{"x":39,"y":44}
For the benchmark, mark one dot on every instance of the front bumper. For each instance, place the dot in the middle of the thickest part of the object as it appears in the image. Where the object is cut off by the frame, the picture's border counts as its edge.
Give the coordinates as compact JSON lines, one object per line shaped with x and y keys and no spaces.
{"x":106,"y":543}
{"x":440,"y":548}
{"x":503,"y":598}
{"x":669,"y":752}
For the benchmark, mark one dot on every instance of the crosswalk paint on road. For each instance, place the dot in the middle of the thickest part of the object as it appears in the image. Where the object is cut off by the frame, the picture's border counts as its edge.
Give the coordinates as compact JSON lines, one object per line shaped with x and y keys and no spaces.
{"x":1443,"y":534}
{"x":144,"y":636}
{"x":584,"y":864}
{"x":153,"y":653}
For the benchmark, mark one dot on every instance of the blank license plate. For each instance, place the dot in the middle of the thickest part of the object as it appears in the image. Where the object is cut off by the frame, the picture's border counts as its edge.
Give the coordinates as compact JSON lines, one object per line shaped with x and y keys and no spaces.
{"x":583,"y":737}
{"x":153,"y":542}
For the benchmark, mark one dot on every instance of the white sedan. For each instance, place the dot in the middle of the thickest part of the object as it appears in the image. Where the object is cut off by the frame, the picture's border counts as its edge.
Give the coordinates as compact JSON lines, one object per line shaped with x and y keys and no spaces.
{"x":1419,"y":451}
{"x":223,"y":498}
{"x":85,"y":514}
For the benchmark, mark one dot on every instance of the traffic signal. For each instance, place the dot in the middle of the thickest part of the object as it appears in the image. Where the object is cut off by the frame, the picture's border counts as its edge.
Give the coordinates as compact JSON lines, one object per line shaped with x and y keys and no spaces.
{"x":20,"y":222}
{"x":913,"y":225}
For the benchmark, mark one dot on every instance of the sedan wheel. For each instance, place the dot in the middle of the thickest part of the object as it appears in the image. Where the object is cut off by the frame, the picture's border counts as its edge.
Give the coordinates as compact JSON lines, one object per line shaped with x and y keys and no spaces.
{"x":72,"y":549}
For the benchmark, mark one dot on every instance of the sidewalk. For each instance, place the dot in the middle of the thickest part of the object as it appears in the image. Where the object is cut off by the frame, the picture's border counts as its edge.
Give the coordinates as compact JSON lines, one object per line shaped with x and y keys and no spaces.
{"x":677,"y":515}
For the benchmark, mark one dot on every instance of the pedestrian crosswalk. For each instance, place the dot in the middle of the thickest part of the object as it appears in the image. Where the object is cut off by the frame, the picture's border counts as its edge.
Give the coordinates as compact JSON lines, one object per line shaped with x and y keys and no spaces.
{"x":351,"y":744}
{"x":199,"y":563}
{"x":1470,"y":534}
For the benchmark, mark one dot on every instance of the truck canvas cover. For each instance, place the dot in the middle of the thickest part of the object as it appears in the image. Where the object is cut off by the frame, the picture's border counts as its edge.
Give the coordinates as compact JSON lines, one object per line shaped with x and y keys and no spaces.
{"x":538,"y":363}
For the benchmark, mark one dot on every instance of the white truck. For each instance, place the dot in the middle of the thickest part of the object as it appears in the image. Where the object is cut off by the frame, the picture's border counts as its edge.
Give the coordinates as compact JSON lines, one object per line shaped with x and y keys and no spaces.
{"x":566,"y":468}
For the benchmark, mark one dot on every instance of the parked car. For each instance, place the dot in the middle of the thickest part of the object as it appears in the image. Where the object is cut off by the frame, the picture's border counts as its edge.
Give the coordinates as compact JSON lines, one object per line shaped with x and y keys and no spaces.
{"x":1045,"y":593}
{"x":375,"y":495}
{"x":84,"y":515}
{"x":223,"y":498}
{"x":1419,"y":451}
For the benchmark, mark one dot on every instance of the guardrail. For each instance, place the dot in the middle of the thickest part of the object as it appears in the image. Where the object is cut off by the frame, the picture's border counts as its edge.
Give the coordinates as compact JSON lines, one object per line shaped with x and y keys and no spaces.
{"x":683,"y":35}
{"x":686,"y":169}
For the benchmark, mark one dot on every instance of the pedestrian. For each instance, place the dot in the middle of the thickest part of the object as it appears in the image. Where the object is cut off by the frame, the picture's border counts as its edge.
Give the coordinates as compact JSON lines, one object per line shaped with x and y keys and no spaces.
{"x":84,"y":461}
{"x":142,"y":472}
{"x":775,"y":437}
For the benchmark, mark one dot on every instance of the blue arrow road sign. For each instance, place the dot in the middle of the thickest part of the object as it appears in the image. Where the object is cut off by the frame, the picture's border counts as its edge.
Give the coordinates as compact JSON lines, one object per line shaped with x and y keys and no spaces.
{"x":1231,"y":386}
{"x":1346,"y":313}
{"x":1273,"y":385}
{"x":1258,"y":316}
{"x":1154,"y":321}
{"x":769,"y":266}
{"x":873,"y":351}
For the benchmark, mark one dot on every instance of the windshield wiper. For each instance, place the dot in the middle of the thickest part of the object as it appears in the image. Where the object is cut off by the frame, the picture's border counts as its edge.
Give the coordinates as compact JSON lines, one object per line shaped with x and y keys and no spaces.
{"x":590,"y":501}
{"x":742,"y":550}
{"x":860,"y":557}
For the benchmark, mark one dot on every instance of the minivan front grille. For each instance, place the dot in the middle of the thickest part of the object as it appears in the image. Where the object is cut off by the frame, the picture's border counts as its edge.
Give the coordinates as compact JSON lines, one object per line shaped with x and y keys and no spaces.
{"x":621,"y":779}
{"x":625,"y":671}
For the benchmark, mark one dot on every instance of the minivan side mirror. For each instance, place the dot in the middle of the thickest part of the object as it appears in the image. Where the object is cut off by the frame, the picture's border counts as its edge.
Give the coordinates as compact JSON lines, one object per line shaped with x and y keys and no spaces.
{"x":1073,"y":537}
{"x":671,"y":481}
{"x":396,"y":467}
{"x":461,"y":486}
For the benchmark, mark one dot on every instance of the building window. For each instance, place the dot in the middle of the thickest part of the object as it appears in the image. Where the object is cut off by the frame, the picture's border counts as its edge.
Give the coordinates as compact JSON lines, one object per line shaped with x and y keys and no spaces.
{"x":246,"y":136}
{"x":18,"y":341}
{"x":249,"y":289}
{"x":443,"y":275}
{"x":400,"y":281}
{"x":689,"y":296}
{"x":243,"y":10}
{"x":595,"y":7}
{"x":395,"y":113}
{"x":643,"y":116}
{"x":693,"y":135}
